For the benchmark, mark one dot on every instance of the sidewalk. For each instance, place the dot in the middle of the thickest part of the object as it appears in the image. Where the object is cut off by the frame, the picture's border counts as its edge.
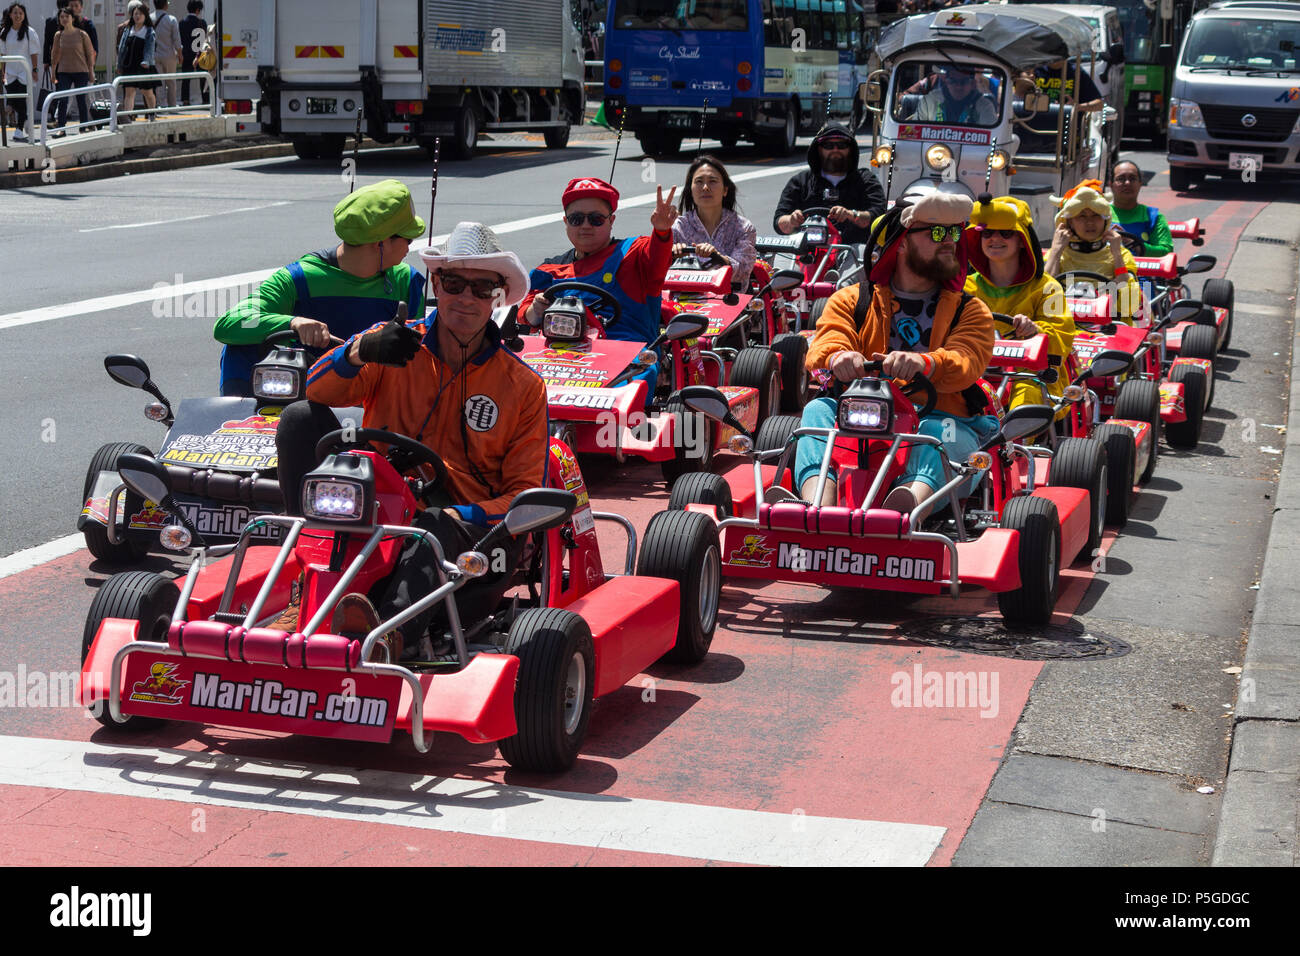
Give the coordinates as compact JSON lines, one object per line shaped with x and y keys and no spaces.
{"x":1261,"y":800}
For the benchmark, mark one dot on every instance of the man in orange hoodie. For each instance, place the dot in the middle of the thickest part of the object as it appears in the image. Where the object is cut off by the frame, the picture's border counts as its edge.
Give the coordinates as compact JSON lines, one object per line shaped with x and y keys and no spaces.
{"x":912,"y":316}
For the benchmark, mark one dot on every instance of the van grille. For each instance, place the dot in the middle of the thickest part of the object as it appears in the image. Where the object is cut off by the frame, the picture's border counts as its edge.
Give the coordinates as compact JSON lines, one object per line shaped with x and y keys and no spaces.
{"x":1271,"y":125}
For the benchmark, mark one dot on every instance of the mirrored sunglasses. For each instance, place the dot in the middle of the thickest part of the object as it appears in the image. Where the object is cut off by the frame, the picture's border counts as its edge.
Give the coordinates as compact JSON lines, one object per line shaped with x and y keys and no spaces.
{"x":940,"y":233}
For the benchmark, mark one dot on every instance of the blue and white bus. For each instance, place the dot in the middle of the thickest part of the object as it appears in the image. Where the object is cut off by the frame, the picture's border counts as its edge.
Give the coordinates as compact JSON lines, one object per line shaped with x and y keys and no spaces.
{"x":760,"y":70}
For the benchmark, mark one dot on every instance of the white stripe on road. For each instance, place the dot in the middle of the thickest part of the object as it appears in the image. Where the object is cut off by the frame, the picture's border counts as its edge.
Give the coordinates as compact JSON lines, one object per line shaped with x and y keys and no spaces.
{"x":32,"y":557}
{"x":167,"y":222}
{"x":466,"y":806}
{"x":164,"y":291}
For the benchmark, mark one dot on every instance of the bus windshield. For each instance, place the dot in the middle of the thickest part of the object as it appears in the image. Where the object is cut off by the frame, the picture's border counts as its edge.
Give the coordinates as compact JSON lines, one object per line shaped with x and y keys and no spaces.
{"x":1218,"y":42}
{"x":681,"y":15}
{"x":1138,"y":25}
{"x":949,"y":93}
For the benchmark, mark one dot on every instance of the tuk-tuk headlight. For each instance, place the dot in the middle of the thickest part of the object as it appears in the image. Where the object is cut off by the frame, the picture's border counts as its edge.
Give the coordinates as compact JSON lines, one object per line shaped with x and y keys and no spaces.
{"x":938,"y":157}
{"x":883,"y":156}
{"x":275,"y":383}
{"x":1186,"y":114}
{"x":999,"y":160}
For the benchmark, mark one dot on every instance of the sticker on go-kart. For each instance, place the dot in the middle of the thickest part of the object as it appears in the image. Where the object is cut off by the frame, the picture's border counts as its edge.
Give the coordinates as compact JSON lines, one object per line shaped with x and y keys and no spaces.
{"x":580,"y":367}
{"x":322,"y":703}
{"x":873,"y":563}
{"x":721,"y":316}
{"x":752,"y":553}
{"x":570,"y":476}
{"x":599,"y":398}
{"x":1172,"y":407}
{"x":160,"y":687}
{"x":252,"y":425}
{"x":945,"y":134}
{"x":744,"y":407}
{"x":1205,"y":365}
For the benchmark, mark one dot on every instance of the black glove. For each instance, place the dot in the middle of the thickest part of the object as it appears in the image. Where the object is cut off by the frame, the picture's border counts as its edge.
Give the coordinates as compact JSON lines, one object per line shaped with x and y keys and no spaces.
{"x":394,"y":344}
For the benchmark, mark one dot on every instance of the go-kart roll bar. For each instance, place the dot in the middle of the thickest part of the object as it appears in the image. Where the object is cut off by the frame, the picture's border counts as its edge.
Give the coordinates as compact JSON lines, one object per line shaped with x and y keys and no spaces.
{"x":629,"y":562}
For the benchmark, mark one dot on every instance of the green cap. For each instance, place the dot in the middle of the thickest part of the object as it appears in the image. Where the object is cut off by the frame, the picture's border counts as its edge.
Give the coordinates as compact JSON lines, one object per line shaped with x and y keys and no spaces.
{"x":377,"y":212}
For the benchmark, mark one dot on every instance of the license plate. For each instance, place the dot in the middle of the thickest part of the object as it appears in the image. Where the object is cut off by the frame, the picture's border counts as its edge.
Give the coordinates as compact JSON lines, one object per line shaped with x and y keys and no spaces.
{"x":1245,"y":160}
{"x":679,"y":121}
{"x":318,"y":105}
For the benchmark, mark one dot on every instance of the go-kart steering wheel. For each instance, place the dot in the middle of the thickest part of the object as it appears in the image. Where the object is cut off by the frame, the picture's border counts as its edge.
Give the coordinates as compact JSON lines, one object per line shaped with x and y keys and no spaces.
{"x":1081,"y":274}
{"x":689,"y":250}
{"x":416,"y":453}
{"x":1134,"y":244}
{"x":823,"y":211}
{"x":606,"y":299}
{"x":289,"y":335}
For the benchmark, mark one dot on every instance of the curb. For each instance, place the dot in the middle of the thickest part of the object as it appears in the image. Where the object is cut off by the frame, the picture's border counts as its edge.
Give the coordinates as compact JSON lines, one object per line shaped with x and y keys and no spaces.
{"x":1261,"y":796}
{"x":83,"y":174}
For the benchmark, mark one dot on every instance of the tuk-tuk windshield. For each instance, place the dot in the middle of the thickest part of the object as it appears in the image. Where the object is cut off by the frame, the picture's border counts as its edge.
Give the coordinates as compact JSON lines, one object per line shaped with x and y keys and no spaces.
{"x":948,"y":93}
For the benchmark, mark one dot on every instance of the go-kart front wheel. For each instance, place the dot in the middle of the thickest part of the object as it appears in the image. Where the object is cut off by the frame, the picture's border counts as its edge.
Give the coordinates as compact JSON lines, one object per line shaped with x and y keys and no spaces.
{"x":702,"y":488}
{"x":1201,"y":342}
{"x":1220,"y":293}
{"x":693,"y":437}
{"x":1082,"y":463}
{"x":1031,"y":604}
{"x":1139,"y":401}
{"x":1121,"y":459}
{"x":134,"y":596}
{"x":125,"y":551}
{"x":683,"y":547}
{"x":1186,"y":435}
{"x":553,"y":693}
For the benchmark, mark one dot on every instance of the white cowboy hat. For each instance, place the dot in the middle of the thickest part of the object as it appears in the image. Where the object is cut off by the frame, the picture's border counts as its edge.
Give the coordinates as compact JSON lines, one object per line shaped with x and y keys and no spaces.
{"x":472,"y":245}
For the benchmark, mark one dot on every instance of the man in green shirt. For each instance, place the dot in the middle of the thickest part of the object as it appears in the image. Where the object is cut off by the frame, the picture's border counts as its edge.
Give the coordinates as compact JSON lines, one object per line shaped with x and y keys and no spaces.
{"x":1142,"y":222}
{"x":335,"y":293}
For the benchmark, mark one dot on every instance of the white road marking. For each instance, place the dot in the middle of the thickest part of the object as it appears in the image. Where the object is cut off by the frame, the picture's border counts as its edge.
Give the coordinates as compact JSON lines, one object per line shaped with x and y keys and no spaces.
{"x":466,"y":806}
{"x":167,"y":222}
{"x":168,"y":291}
{"x":32,"y":557}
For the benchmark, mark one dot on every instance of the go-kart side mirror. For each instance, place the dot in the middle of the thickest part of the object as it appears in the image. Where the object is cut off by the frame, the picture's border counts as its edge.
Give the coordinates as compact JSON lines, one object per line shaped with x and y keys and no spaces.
{"x":539,"y":509}
{"x":1107,"y":364}
{"x":712,"y":404}
{"x":148,"y":478}
{"x":1185,"y":310}
{"x":1021,"y":423}
{"x":128,"y":370}
{"x":685,"y":325}
{"x":1201,"y":262}
{"x":785,"y":280}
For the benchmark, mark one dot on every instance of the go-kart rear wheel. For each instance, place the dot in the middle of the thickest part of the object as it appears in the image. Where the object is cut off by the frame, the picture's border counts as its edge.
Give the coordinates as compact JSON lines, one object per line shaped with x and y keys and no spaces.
{"x":134,"y":596}
{"x":683,"y":546}
{"x":553,"y":693}
{"x":1039,"y":559}
{"x":1220,"y":293}
{"x":1201,"y":342}
{"x":759,"y":368}
{"x":1187,"y":434}
{"x":793,"y":349}
{"x":1082,"y":463}
{"x":693,"y":436}
{"x":1139,"y":401}
{"x":1121,"y":459}
{"x":815,"y":313}
{"x":96,"y":535}
{"x":702,"y":488}
{"x":775,"y":432}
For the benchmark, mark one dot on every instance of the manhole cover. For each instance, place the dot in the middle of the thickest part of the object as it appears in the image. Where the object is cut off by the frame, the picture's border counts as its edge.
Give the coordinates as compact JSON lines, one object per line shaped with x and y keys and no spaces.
{"x":986,"y":635}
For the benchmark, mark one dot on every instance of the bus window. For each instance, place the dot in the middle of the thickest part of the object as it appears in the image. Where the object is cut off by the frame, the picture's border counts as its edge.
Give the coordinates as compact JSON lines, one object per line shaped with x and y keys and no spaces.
{"x":947,"y":93}
{"x":681,"y":15}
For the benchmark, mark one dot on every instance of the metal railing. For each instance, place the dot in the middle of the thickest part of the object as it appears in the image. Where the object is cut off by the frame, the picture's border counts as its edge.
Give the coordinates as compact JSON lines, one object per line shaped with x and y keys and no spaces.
{"x":26,"y":63}
{"x":214,"y":108}
{"x":594,"y":65}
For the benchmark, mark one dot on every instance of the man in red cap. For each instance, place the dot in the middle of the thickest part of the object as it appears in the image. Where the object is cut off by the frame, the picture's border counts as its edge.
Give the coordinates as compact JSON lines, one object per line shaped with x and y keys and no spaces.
{"x":632,"y":270}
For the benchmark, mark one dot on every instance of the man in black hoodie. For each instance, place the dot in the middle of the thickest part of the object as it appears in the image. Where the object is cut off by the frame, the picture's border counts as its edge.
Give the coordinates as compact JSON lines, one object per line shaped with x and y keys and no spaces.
{"x":833,"y":180}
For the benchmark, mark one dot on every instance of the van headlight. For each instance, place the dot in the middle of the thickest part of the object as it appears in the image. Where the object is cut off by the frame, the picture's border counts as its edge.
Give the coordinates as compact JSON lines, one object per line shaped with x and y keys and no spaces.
{"x":1186,"y":114}
{"x":938,"y":157}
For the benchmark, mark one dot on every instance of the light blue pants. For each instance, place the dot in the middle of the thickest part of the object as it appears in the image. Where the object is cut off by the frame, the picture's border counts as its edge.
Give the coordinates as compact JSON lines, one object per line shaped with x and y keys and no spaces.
{"x":964,"y":435}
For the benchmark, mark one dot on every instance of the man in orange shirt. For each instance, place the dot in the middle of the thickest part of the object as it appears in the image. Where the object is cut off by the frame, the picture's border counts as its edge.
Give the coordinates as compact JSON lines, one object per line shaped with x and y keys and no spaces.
{"x":447,"y":381}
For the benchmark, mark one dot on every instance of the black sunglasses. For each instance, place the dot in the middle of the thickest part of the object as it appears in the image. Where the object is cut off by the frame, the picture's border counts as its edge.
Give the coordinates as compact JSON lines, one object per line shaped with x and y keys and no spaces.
{"x":834,"y":144}
{"x":1004,"y":233}
{"x":596,"y":219}
{"x":455,"y":285}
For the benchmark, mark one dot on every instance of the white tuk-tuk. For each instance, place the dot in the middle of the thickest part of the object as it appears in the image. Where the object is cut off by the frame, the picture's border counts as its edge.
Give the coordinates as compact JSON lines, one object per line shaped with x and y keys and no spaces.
{"x":962,"y":111}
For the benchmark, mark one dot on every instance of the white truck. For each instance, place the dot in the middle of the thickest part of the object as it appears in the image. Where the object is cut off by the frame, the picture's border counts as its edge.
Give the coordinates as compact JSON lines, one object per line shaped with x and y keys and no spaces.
{"x":415,"y":69}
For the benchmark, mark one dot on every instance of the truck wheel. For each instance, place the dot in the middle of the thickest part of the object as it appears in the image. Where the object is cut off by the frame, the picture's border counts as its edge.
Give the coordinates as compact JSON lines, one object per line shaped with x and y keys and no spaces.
{"x":759,"y":368}
{"x":1039,"y":557}
{"x":783,"y":143}
{"x":1082,"y":463}
{"x":1201,"y":342}
{"x":698,"y":458}
{"x":702,"y":488}
{"x":96,"y":535}
{"x":305,"y":147}
{"x":1180,"y":178}
{"x":557,"y":675}
{"x":683,"y":546}
{"x":134,"y":596}
{"x":1139,"y":401}
{"x":1220,"y":293}
{"x":793,"y":349}
{"x":331,"y":146}
{"x":465,"y":139}
{"x":1121,"y":459}
{"x":659,"y":144}
{"x":557,"y":137}
{"x":1187,"y":434}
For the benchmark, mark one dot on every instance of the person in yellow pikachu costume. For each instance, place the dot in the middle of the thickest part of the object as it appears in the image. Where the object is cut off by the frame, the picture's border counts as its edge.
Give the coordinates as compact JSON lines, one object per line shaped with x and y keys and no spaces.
{"x":1006,"y":272}
{"x":1087,"y":240}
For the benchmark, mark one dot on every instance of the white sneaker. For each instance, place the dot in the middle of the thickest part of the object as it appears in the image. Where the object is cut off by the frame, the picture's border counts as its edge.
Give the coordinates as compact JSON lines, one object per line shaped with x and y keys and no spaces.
{"x":19,"y":136}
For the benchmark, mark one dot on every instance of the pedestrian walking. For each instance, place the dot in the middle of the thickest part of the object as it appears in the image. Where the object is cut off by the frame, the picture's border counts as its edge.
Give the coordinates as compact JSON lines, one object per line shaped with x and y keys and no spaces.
{"x":18,"y":38}
{"x":194,"y":34}
{"x":135,"y":57}
{"x":167,"y":51}
{"x":73,"y":61}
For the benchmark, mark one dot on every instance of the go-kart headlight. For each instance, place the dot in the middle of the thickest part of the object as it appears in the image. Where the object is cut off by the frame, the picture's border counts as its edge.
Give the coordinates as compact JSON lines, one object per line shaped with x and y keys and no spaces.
{"x":276,"y":384}
{"x":867,"y":408}
{"x":938,"y":157}
{"x":883,"y":156}
{"x":341,"y":490}
{"x":565,"y":320}
{"x":815,"y":236}
{"x":999,"y":160}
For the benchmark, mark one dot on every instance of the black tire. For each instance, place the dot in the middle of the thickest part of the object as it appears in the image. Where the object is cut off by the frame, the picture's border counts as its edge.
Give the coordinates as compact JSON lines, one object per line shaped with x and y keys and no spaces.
{"x":557,"y":137}
{"x":305,"y":147}
{"x":815,"y":312}
{"x":658,"y":144}
{"x":775,"y":432}
{"x":728,"y":140}
{"x":793,"y":349}
{"x":1187,"y":434}
{"x":96,"y":535}
{"x":553,"y":692}
{"x":1180,"y":178}
{"x":759,"y":368}
{"x":1121,"y":459}
{"x":1221,"y":293}
{"x":1139,"y":401}
{"x":1039,"y":558}
{"x":331,"y":146}
{"x":783,"y":143}
{"x":134,"y":596}
{"x":1082,"y":463}
{"x":1202,"y":342}
{"x":683,"y":546}
{"x":702,"y":488}
{"x":687,"y":459}
{"x":464,"y":141}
